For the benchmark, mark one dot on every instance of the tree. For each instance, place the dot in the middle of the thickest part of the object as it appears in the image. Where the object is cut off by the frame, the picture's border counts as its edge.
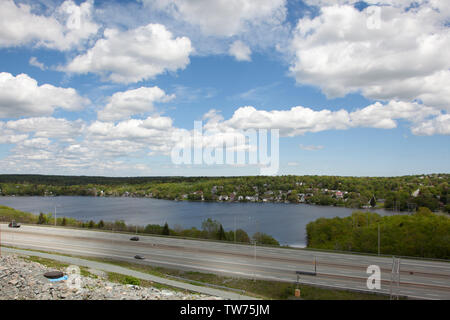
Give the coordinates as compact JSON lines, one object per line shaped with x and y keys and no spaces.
{"x":41,"y":219}
{"x":242,"y":236}
{"x":221,"y":234}
{"x":211,"y":228}
{"x":447,"y":208}
{"x":165,"y":230}
{"x":64,"y":221}
{"x":153,"y":229}
{"x":422,"y":211}
{"x":263,"y":238}
{"x":101,"y":224}
{"x":373,"y":202}
{"x":91,"y":224}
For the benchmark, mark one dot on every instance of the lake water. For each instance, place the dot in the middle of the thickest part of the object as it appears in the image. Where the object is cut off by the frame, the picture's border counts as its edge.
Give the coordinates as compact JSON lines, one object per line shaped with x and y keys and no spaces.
{"x":285,"y":222}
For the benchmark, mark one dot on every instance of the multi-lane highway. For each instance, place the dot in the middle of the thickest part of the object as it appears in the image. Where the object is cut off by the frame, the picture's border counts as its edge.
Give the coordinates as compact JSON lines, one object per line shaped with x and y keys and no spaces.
{"x":418,"y":278}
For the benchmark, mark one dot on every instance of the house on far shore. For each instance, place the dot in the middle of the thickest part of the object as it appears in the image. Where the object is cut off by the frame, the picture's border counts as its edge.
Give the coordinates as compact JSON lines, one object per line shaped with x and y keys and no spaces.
{"x":416,"y":193}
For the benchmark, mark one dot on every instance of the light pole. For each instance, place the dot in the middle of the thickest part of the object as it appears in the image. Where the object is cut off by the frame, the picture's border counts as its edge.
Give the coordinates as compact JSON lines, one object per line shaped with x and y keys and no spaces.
{"x":378,"y":238}
{"x":234,"y":229}
{"x":254,"y":246}
{"x":56,"y":206}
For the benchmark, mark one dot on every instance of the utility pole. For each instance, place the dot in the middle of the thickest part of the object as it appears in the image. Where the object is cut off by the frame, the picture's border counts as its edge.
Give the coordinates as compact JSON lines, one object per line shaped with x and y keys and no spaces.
{"x":254,"y":274}
{"x":395,"y":279}
{"x":378,"y":238}
{"x":235,"y":229}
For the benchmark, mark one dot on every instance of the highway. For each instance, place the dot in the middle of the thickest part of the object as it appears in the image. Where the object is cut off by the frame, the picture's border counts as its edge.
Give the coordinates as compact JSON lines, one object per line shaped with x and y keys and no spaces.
{"x":420,"y":279}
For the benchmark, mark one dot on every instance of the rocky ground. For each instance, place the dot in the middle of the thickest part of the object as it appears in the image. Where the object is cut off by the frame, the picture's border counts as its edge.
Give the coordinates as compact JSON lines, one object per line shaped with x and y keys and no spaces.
{"x":23,"y":280}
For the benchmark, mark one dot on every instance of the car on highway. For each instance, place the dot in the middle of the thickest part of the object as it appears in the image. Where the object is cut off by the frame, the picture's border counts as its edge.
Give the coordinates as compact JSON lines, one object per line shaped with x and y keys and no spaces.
{"x":13,"y":224}
{"x":134,"y":238}
{"x":139,"y":257}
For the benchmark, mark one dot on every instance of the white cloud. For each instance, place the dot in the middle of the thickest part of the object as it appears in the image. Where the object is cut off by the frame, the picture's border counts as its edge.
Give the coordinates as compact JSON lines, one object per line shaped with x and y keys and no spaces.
{"x":404,"y":57}
{"x":134,"y":55}
{"x":438,"y":125}
{"x":311,"y":147}
{"x":300,"y":120}
{"x":240,"y":51}
{"x":34,"y":62}
{"x":48,"y":127}
{"x":69,"y":26}
{"x":137,"y":101}
{"x":9,"y":136}
{"x":22,"y":96}
{"x":223,"y":17}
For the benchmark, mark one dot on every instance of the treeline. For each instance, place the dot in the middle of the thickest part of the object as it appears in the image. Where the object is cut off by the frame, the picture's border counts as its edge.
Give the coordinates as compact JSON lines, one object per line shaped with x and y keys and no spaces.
{"x":422,"y":234}
{"x":211,"y":229}
{"x":84,"y":180}
{"x":393,"y":193}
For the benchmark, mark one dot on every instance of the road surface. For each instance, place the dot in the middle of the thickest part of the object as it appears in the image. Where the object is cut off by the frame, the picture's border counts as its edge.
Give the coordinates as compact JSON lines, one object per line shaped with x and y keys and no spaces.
{"x":418,"y":278}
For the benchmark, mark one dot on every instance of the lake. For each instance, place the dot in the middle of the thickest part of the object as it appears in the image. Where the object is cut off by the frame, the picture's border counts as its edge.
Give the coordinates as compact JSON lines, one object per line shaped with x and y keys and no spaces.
{"x":285,"y":222}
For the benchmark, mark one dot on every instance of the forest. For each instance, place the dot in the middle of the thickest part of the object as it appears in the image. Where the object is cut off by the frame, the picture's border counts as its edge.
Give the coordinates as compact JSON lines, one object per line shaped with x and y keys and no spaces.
{"x":406,"y":193}
{"x":422,"y":234}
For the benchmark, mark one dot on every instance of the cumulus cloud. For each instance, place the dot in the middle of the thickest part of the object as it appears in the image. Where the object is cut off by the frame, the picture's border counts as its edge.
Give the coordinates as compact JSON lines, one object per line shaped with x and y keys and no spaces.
{"x":47,"y":127}
{"x":9,"y":136}
{"x":240,"y":51}
{"x":405,"y":55}
{"x":149,"y":51}
{"x":68,"y":27}
{"x":438,"y":125}
{"x":300,"y":120}
{"x":137,"y":101}
{"x":223,"y":17}
{"x":22,"y":96}
{"x":46,"y":143}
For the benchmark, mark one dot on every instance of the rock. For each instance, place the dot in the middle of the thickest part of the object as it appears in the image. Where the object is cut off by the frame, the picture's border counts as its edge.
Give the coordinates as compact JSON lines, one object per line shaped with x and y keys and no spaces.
{"x":20,"y":279}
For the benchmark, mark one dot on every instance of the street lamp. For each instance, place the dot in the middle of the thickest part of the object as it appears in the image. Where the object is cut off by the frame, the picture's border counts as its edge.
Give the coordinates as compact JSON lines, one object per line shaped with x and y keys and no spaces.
{"x":56,"y":205}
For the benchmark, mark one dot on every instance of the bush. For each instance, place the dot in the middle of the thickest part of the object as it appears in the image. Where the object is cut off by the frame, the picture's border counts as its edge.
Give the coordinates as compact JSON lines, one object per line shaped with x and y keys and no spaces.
{"x":263,"y":238}
{"x":447,"y":208}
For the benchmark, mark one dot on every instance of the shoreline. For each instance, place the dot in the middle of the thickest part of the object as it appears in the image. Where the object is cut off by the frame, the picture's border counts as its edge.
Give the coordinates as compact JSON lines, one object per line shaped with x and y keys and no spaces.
{"x":204,"y":201}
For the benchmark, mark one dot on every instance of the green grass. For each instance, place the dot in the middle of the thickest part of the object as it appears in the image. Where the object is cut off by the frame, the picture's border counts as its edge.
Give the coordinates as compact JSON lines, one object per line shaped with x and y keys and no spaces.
{"x":262,"y":289}
{"x":53,"y":264}
{"x":111,"y":276}
{"x":8,"y":214}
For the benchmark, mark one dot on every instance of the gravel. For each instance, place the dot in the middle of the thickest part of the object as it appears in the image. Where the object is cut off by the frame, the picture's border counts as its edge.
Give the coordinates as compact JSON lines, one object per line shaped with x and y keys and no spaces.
{"x":23,"y":280}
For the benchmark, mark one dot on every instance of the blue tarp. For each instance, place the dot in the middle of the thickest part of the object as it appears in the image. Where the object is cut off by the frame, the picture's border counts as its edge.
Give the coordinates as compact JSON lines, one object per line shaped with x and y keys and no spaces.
{"x":59,"y":279}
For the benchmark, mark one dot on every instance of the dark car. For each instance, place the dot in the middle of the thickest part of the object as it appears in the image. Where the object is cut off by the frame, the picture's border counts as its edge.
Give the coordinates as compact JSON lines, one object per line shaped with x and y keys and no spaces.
{"x":139,"y":257}
{"x":134,"y":238}
{"x":13,"y":224}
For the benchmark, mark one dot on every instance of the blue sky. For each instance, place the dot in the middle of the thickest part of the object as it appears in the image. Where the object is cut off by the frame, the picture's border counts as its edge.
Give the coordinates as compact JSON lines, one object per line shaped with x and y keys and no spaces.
{"x":103,"y":87}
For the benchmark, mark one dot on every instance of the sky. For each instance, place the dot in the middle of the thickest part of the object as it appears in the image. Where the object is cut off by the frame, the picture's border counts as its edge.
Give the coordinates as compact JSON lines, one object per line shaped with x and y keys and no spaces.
{"x":109,"y":87}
